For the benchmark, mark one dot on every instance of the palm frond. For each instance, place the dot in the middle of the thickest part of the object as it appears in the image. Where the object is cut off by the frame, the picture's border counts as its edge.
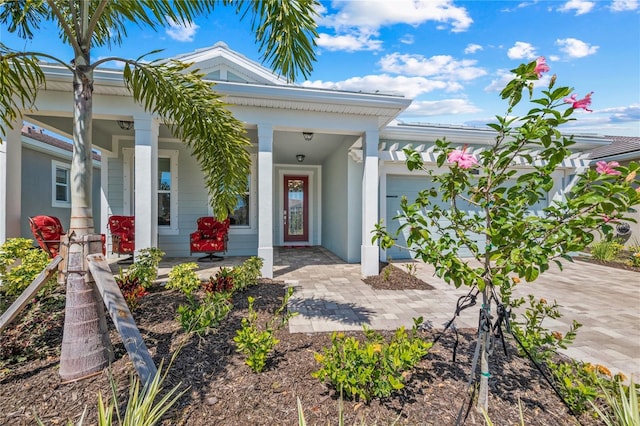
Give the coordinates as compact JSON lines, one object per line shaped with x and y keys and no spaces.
{"x":23,"y":16}
{"x":286,"y":32}
{"x":20,"y":79}
{"x":196,"y":115}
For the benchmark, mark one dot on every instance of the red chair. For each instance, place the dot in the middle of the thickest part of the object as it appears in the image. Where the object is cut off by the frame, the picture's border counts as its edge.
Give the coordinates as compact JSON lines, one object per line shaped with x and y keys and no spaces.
{"x":123,"y":234}
{"x":47,"y":231}
{"x":210,"y":237}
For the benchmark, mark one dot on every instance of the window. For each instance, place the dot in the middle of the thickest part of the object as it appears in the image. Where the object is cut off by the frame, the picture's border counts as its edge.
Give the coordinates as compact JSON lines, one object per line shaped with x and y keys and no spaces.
{"x":244,"y":217}
{"x":60,"y":189}
{"x":167,"y":188}
{"x":164,"y":192}
{"x":167,"y":191}
{"x":240,"y":215}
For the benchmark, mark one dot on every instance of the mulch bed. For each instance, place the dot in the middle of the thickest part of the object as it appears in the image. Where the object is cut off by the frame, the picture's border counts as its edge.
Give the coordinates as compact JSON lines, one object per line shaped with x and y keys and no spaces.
{"x":222,"y":390}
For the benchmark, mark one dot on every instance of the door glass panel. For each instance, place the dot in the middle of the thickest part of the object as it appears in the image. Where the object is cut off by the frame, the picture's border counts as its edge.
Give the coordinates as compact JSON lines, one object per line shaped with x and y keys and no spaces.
{"x":296,"y":206}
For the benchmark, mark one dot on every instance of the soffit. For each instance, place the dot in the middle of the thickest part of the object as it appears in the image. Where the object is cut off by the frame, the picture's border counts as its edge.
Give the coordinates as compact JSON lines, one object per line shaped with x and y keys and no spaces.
{"x":385,"y":107}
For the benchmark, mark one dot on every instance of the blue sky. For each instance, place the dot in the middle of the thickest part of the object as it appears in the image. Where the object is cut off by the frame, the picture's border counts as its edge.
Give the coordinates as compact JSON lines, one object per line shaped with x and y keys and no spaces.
{"x":451,"y":57}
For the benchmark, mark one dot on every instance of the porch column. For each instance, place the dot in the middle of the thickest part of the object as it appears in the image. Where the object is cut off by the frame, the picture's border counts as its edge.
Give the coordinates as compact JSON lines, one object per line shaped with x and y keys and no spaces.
{"x":146,"y":181}
{"x":105,"y":208}
{"x":265,"y":198}
{"x":10,"y":181}
{"x":369,"y":253}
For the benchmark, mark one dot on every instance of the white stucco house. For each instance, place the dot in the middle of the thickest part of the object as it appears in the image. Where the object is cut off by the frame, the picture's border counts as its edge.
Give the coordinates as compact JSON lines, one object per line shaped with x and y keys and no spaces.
{"x":326,"y":164}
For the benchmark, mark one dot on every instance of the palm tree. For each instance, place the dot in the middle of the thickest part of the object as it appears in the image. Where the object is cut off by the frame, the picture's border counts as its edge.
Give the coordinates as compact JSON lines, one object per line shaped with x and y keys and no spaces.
{"x":285,"y":31}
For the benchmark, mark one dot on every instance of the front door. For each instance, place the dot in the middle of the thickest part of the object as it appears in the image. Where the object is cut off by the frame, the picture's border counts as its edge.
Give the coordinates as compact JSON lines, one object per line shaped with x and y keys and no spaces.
{"x":296,"y":208}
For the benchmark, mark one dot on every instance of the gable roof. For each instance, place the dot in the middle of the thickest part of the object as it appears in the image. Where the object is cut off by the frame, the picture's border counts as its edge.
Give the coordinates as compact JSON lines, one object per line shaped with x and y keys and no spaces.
{"x":39,"y":135}
{"x":621,"y":148}
{"x":218,"y":62}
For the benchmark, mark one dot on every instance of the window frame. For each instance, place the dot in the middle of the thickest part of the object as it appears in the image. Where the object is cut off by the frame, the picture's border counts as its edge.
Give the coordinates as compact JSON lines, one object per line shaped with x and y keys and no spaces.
{"x":172,"y":155}
{"x":55,"y":166}
{"x":128,"y":170}
{"x":253,"y":203}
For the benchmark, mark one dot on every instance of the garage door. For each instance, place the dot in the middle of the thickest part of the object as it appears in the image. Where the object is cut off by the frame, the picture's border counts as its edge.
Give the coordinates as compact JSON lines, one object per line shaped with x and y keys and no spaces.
{"x":410,"y":186}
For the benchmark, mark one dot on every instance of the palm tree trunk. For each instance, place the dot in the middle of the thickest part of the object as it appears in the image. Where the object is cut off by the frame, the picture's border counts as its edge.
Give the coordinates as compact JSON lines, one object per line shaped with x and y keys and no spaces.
{"x":86,"y":348}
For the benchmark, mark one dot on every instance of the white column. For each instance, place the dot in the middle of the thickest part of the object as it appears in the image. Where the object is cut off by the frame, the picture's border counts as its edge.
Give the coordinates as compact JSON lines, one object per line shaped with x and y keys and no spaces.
{"x":369,"y":253}
{"x":10,"y":181}
{"x":105,"y":208}
{"x":146,"y":182}
{"x":265,"y":198}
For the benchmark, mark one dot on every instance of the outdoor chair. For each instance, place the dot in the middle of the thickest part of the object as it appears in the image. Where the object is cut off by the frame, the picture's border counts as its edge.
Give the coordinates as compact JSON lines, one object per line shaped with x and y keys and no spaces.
{"x":211,"y":237}
{"x":123,"y":235}
{"x":47,"y":231}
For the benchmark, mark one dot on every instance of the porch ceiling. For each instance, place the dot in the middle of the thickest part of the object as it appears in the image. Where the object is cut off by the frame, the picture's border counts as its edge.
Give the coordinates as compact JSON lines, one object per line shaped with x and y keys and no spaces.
{"x":286,"y":145}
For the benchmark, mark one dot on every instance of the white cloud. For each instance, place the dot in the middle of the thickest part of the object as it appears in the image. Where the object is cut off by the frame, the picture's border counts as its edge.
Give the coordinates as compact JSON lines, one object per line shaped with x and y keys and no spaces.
{"x":419,"y":109}
{"x":504,"y":76}
{"x":522,"y":50}
{"x":356,"y":23}
{"x":348,"y":42}
{"x":629,"y":113}
{"x":439,"y":67}
{"x":181,"y":32}
{"x":410,"y":87}
{"x":472,"y":48}
{"x":624,"y":5}
{"x":575,"y":48}
{"x":580,"y":6}
{"x":501,"y":80}
{"x":407,"y":39}
{"x":377,"y":13}
{"x":110,"y":64}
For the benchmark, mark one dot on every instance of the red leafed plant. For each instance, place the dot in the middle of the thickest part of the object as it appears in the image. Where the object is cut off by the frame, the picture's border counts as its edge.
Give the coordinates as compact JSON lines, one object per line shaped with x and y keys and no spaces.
{"x":131,"y":289}
{"x":223,"y":281}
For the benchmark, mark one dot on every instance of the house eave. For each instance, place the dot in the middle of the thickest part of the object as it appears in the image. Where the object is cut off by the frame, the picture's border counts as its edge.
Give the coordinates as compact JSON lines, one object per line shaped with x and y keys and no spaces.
{"x":471,"y":135}
{"x":385,"y":107}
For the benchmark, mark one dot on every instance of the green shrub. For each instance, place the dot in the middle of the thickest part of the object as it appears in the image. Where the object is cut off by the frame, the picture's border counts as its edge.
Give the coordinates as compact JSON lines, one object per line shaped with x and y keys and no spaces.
{"x":202,"y":317}
{"x":605,"y":250}
{"x":541,"y":344}
{"x":372,"y":368}
{"x":247,"y":274}
{"x":579,"y":382}
{"x":20,"y":264}
{"x":183,"y":278}
{"x":145,"y":268}
{"x":634,"y":256}
{"x":257,"y":344}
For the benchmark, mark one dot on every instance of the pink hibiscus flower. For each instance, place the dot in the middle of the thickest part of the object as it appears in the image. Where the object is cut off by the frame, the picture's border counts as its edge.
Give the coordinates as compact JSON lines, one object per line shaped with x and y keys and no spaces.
{"x":603,"y":167}
{"x":541,"y":66}
{"x":463,"y":159}
{"x":582,"y":103}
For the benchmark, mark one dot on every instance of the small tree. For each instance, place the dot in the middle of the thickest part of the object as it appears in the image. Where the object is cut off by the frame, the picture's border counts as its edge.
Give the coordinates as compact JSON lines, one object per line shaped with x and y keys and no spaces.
{"x":518,"y":242}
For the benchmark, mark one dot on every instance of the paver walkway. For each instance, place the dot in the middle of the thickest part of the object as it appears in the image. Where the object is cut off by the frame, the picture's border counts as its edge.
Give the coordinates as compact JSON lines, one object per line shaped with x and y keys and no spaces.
{"x":331,"y":296}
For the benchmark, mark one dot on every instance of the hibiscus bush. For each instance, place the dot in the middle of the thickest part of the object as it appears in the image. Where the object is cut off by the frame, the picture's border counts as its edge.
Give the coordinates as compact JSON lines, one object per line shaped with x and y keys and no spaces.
{"x":512,"y":236}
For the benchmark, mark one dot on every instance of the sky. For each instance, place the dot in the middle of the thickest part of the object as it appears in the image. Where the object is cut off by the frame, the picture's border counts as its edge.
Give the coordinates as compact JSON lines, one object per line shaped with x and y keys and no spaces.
{"x":451,"y":57}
